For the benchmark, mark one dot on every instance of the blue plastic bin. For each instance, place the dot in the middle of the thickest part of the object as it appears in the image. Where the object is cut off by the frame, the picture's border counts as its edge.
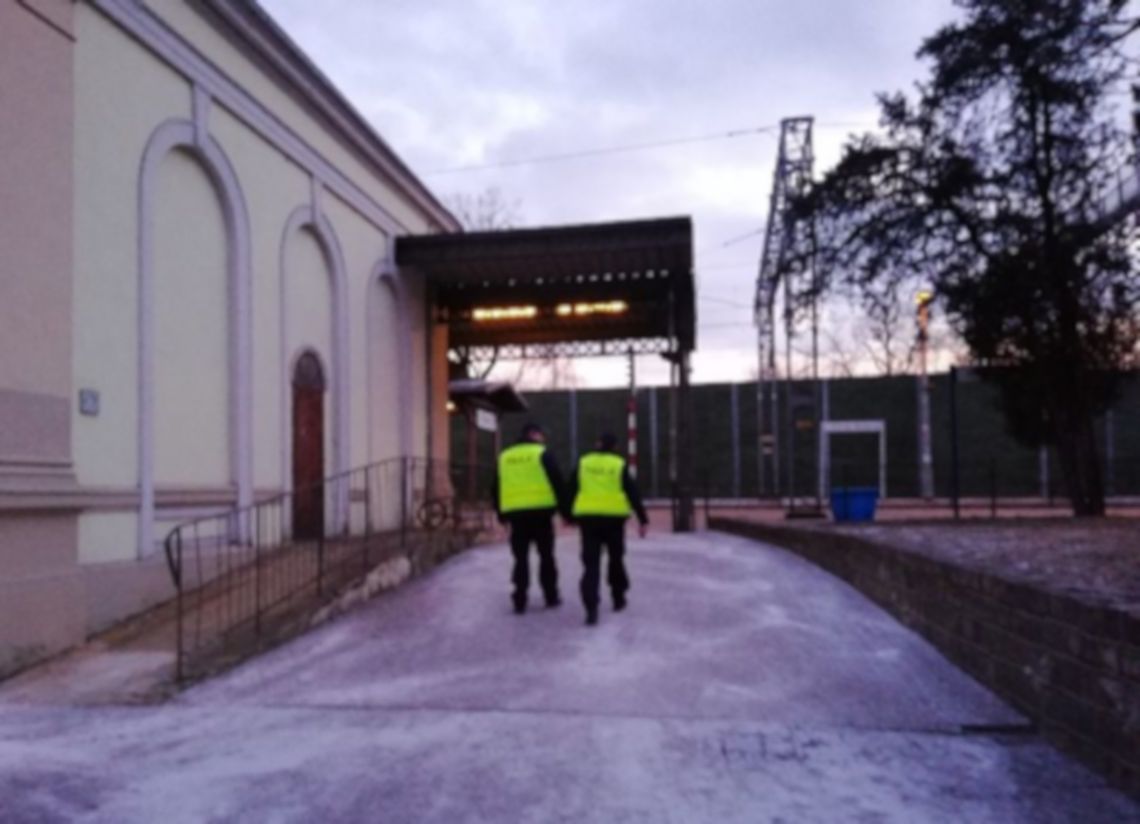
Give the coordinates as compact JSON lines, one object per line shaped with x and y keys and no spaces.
{"x":854,"y":503}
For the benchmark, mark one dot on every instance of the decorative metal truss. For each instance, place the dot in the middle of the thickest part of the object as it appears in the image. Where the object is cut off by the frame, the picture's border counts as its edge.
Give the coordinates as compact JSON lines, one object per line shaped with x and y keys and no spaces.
{"x":570,"y":349}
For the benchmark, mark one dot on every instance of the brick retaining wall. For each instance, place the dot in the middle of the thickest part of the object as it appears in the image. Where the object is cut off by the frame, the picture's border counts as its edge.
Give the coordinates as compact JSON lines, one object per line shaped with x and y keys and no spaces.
{"x":1071,"y":667}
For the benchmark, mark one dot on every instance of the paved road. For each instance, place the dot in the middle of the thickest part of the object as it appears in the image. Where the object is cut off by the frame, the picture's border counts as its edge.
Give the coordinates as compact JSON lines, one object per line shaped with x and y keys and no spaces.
{"x":742,"y":685}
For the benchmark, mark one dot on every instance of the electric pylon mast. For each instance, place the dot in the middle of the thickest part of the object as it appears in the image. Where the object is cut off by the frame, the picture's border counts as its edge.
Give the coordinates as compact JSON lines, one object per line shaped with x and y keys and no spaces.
{"x":785,"y":291}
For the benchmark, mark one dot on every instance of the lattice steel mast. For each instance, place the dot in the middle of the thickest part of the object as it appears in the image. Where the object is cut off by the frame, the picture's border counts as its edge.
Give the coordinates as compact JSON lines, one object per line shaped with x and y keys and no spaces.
{"x":787,"y":274}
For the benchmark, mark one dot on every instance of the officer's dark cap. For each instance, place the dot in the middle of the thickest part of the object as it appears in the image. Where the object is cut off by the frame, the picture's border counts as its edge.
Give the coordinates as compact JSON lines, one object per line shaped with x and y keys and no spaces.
{"x":530,"y":428}
{"x":608,"y":441}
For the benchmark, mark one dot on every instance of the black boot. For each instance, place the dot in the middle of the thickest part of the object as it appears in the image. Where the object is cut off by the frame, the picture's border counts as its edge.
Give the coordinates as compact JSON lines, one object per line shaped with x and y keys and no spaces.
{"x":591,"y":616}
{"x":519,"y":602}
{"x":619,"y":601}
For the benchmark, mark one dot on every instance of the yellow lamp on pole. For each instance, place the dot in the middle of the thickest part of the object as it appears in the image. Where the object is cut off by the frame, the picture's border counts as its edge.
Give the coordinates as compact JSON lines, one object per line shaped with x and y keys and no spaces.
{"x":922,"y":299}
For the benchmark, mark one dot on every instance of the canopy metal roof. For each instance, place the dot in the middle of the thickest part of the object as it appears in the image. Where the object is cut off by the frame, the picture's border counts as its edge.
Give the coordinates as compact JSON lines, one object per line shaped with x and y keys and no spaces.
{"x":644,"y":265}
{"x":501,"y":396}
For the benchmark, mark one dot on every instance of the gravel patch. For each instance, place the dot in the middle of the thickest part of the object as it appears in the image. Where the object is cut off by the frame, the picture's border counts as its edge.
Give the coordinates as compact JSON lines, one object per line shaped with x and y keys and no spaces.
{"x":1095,"y":561}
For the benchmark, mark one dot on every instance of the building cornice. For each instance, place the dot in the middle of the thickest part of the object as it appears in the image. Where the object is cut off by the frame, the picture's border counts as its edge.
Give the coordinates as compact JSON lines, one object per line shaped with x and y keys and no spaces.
{"x":35,"y":484}
{"x":258,"y":31}
{"x":140,"y":22}
{"x":63,"y":494}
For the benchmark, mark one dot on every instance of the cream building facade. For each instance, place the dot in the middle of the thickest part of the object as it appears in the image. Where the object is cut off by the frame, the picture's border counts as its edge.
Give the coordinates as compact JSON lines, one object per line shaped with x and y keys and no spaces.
{"x":191,"y":216}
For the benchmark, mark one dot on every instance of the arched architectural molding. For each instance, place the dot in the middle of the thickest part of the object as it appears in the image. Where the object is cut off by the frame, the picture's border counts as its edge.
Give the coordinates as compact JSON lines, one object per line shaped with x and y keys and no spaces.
{"x":192,"y":136}
{"x":310,"y":217}
{"x":299,"y":353}
{"x":304,"y":517}
{"x":384,"y":276}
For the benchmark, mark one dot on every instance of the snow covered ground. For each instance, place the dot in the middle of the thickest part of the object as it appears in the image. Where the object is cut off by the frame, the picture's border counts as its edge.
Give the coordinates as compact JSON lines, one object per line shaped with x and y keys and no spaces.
{"x":742,"y":685}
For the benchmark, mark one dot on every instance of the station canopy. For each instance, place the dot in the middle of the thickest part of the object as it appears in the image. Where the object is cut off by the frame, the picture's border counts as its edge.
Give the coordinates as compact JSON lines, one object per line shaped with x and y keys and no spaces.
{"x":596,"y":289}
{"x":497,"y":396}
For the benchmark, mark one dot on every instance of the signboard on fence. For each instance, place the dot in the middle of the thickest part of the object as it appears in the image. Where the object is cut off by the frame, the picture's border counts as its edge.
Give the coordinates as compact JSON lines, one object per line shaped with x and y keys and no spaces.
{"x":486,"y":420}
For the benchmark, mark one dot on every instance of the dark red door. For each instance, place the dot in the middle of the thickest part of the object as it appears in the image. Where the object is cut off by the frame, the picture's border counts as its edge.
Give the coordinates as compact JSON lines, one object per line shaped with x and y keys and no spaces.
{"x":308,"y":448}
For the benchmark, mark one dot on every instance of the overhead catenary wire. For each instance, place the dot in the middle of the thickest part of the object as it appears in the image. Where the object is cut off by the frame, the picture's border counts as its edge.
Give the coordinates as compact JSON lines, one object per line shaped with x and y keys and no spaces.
{"x":732,"y":241}
{"x":725,"y":301}
{"x":625,"y":148}
{"x":607,"y":150}
{"x":744,"y":264}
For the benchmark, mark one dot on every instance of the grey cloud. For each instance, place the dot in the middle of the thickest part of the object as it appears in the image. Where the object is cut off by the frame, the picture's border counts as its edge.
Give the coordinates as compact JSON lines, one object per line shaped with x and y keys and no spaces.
{"x":455,"y":82}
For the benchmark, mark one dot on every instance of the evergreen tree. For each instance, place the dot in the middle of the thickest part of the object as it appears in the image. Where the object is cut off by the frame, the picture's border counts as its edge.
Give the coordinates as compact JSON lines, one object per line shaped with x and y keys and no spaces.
{"x":989,"y":185}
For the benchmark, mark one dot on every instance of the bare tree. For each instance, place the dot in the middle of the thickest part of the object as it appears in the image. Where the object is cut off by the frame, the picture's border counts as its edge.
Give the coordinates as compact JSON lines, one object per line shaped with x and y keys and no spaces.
{"x":838,"y":355}
{"x":879,"y":341}
{"x":889,"y":334}
{"x":546,"y":373}
{"x":486,"y":211}
{"x":491,"y":211}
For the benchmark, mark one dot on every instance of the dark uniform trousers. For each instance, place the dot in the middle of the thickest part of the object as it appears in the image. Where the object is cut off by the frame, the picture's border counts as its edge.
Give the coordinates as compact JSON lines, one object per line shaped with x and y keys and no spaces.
{"x":536,"y":528}
{"x":598,"y":533}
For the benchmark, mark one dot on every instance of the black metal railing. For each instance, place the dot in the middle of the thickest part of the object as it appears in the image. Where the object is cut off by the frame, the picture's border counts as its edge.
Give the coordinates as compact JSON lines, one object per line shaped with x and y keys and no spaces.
{"x":243,"y":575}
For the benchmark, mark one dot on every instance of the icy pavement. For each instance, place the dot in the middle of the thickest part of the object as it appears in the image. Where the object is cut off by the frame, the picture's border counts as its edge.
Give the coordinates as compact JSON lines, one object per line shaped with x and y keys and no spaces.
{"x":742,"y":685}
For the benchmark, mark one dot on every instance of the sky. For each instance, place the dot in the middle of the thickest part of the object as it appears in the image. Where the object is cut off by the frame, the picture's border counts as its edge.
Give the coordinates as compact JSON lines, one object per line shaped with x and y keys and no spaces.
{"x":460,"y":83}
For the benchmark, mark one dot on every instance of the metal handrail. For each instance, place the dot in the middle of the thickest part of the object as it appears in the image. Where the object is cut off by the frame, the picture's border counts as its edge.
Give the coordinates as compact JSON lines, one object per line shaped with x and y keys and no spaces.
{"x":248,"y":566}
{"x":236,"y":513}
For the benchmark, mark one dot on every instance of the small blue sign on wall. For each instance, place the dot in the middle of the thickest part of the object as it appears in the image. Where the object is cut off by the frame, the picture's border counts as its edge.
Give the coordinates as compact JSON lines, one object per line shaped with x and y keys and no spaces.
{"x":89,"y":402}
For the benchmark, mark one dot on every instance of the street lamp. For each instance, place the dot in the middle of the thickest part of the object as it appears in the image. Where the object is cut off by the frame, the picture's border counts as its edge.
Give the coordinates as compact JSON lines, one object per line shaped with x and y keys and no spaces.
{"x":922,"y":299}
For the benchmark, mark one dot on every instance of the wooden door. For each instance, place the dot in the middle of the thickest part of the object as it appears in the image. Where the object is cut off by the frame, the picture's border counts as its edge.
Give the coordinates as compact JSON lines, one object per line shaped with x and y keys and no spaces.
{"x":308,"y":448}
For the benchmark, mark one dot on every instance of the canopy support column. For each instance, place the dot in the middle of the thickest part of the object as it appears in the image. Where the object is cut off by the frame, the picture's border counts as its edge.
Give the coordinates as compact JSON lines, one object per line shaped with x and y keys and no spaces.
{"x":683,"y":448}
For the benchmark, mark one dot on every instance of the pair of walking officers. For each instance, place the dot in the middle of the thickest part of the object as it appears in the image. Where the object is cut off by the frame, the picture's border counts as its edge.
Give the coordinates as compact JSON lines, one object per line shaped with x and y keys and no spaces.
{"x":600,"y":496}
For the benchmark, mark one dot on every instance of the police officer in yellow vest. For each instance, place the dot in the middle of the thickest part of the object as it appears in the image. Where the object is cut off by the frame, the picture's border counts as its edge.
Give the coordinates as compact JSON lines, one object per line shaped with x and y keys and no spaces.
{"x":604,"y":494}
{"x":529,"y":489}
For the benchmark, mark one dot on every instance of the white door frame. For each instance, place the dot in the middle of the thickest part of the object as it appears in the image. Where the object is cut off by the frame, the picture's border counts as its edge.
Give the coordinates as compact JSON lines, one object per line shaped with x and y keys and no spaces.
{"x":865,"y":427}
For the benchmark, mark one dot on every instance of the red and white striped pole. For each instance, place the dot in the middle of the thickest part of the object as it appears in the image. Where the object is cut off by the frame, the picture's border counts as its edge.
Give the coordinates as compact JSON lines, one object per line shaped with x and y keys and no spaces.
{"x":631,"y":421}
{"x":631,"y":408}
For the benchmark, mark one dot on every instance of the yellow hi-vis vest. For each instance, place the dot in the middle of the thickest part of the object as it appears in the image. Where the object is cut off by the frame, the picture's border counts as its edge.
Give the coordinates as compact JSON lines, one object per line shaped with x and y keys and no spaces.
{"x":599,"y":486}
{"x":523,"y":483}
